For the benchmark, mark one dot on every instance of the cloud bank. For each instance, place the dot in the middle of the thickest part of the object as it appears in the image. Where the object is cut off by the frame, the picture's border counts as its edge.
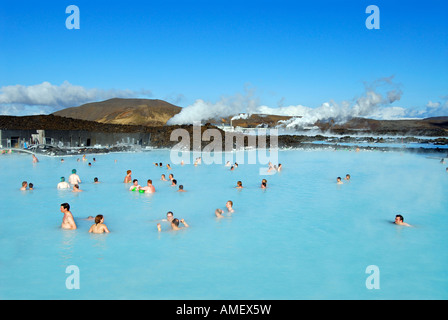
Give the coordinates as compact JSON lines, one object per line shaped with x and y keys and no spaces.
{"x":46,"y":98}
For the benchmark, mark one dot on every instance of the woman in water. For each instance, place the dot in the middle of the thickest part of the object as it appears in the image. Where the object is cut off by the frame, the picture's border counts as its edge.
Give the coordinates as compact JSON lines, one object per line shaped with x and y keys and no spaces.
{"x":99,"y":226}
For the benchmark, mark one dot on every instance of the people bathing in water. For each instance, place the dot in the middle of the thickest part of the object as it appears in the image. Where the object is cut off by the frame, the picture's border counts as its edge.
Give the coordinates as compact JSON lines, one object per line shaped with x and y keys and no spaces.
{"x":24,"y":185}
{"x":400,"y":221}
{"x":128,"y":178}
{"x":76,"y":188}
{"x":63,"y":184}
{"x":149,"y":188}
{"x":163,"y":178}
{"x":68,"y":223}
{"x":239,"y":185}
{"x":31,"y":186}
{"x":181,"y":189}
{"x":74,"y":178}
{"x":174,"y":183}
{"x":264,"y":184}
{"x":175,"y":224}
{"x":219,"y":214}
{"x":347,"y":177}
{"x":169,"y":218}
{"x":135,"y":186}
{"x":35,"y":160}
{"x":99,"y":226}
{"x":95,"y":180}
{"x":229,"y":206}
{"x":338,"y":180}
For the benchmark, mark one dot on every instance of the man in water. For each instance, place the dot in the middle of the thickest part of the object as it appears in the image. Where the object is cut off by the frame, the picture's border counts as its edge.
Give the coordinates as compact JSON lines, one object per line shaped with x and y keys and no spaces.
{"x":219,"y":214}
{"x":174,"y":183}
{"x":149,"y":188}
{"x":76,"y":188}
{"x":24,"y":185}
{"x":400,"y":221}
{"x":135,"y":186}
{"x":169,"y":218}
{"x":74,"y":178}
{"x":175,"y":224}
{"x":68,"y":223}
{"x":239,"y":185}
{"x":163,"y":178}
{"x":181,"y":189}
{"x":229,"y":206}
{"x":63,"y":184}
{"x":347,"y":177}
{"x":338,"y":180}
{"x":35,"y":160}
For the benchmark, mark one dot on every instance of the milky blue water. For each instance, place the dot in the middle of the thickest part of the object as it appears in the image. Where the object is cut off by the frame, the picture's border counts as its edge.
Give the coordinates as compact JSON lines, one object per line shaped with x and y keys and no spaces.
{"x":304,"y":237}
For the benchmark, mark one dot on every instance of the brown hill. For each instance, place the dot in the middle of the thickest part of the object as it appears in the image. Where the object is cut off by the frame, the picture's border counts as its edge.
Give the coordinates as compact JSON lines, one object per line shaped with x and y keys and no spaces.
{"x":140,"y":112}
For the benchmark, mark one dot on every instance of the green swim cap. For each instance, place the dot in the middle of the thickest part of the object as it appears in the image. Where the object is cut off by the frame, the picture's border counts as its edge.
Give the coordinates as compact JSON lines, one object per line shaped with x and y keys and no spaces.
{"x":62,"y":179}
{"x":74,"y":171}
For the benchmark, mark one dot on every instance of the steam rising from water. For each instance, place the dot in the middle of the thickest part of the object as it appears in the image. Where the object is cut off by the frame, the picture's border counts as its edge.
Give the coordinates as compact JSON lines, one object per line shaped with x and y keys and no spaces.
{"x":375,"y":103}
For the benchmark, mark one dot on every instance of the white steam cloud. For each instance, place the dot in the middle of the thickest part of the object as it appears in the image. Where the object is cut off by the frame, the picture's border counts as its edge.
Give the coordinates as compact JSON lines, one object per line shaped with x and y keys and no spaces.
{"x":375,"y":103}
{"x":45,"y":98}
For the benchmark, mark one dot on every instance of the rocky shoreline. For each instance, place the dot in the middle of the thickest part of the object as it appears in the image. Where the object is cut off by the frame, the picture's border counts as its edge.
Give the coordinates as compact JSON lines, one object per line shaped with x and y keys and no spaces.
{"x":161,"y":137}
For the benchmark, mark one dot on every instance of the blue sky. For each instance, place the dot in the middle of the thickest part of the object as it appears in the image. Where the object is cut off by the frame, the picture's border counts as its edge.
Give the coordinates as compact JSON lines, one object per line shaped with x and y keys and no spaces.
{"x":285,"y":53}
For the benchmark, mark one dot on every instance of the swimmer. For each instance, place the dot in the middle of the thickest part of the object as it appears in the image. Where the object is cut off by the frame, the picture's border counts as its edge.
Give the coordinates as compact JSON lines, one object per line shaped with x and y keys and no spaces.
{"x":232,"y":168}
{"x":84,"y":158}
{"x":347,"y":177}
{"x":338,"y":180}
{"x":35,"y":160}
{"x":168,"y":166}
{"x":239,"y":185}
{"x":135,"y":186}
{"x":31,"y":186}
{"x":63,"y":184}
{"x":24,"y":185}
{"x":76,"y":188}
{"x":68,"y":223}
{"x":99,"y":226}
{"x":95,"y":180}
{"x":182,"y":163}
{"x":218,"y":214}
{"x":400,"y":221}
{"x":181,"y":189}
{"x":169,"y":218}
{"x":74,"y":178}
{"x":149,"y":188}
{"x":171,"y":177}
{"x":279,"y":167}
{"x":174,"y":183}
{"x":228,"y":164}
{"x":163,"y":178}
{"x":128,"y":177}
{"x":175,"y":224}
{"x":229,"y":206}
{"x":62,"y":160}
{"x":156,"y":164}
{"x":264,"y":184}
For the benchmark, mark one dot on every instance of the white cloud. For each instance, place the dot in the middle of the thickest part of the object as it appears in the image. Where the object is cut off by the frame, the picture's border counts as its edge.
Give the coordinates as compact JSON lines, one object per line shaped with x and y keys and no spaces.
{"x":45,"y":98}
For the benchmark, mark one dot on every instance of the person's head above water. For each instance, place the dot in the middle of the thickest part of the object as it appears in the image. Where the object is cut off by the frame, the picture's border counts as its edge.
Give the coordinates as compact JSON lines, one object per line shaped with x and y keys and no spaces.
{"x":74,"y":171}
{"x":169,"y":216}
{"x":99,"y":218}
